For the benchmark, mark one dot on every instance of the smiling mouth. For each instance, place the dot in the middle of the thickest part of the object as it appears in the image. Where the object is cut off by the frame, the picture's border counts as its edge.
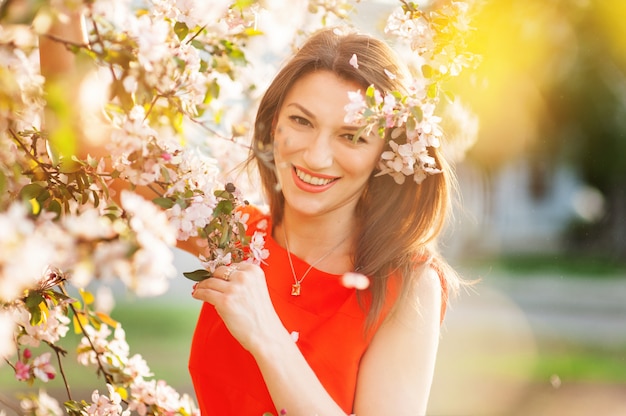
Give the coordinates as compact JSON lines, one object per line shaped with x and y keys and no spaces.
{"x":312,"y":180}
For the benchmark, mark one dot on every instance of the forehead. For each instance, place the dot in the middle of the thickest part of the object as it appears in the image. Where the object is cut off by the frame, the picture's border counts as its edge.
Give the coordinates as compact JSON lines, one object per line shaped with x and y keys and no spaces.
{"x":321,"y":92}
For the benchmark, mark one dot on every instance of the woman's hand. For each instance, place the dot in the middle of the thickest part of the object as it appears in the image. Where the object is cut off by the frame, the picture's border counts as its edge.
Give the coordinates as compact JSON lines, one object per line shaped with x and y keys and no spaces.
{"x":240,"y":296}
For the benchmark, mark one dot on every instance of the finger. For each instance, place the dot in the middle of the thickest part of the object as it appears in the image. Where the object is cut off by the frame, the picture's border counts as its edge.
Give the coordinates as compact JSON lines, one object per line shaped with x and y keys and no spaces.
{"x":214,"y":283}
{"x":210,"y":290}
{"x":225,"y":272}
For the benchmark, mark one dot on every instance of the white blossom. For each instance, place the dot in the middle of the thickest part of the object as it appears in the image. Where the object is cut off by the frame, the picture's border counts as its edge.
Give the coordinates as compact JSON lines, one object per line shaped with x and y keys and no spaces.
{"x":41,"y":405}
{"x":107,"y":406}
{"x":53,"y":326}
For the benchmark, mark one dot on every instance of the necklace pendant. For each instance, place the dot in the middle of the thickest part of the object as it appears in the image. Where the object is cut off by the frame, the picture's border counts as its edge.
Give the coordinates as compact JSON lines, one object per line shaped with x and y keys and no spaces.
{"x":295,"y":289}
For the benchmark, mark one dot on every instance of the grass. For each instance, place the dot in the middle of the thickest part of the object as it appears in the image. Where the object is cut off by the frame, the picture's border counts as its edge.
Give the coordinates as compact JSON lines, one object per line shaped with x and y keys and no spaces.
{"x":576,"y":364}
{"x":569,"y":362}
{"x":162,"y":335}
{"x":573,"y":265}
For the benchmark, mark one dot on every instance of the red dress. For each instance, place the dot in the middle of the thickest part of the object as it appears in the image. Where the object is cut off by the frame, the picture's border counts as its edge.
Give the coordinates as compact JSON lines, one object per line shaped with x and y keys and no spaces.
{"x":331,"y":336}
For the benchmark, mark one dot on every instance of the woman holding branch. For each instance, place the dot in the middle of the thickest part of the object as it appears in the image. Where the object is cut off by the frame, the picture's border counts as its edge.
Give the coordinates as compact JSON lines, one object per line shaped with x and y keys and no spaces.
{"x":298,"y":334}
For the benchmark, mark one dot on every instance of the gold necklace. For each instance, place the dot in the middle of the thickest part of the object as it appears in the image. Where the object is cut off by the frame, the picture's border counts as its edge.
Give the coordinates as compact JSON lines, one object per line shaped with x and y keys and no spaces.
{"x":296,"y":288}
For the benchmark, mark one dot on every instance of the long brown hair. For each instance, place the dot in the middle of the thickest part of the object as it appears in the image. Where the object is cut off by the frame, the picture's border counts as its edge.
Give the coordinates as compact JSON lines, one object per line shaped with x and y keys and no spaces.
{"x":397,"y":224}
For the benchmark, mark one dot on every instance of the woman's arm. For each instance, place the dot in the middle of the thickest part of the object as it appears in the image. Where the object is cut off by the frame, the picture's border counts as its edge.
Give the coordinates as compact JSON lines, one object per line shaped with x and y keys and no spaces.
{"x":396,"y":372}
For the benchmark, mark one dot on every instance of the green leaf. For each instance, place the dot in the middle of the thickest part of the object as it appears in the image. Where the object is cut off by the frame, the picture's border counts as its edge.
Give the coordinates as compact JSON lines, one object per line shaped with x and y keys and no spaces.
{"x":96,"y":198}
{"x":56,"y":297}
{"x":250,"y":31}
{"x":449,"y":95}
{"x":221,"y":193}
{"x":197,"y":275}
{"x":226,"y":234}
{"x":181,"y":30}
{"x":432,"y":91}
{"x":369,"y":96}
{"x":225,"y":206}
{"x":3,"y":182}
{"x":417,"y":113}
{"x":358,"y":133}
{"x":164,"y":203}
{"x":31,"y":191}
{"x":33,"y":300}
{"x":54,"y":206}
{"x":75,"y":408}
{"x":242,"y":4}
{"x":427,"y":71}
{"x":411,"y":124}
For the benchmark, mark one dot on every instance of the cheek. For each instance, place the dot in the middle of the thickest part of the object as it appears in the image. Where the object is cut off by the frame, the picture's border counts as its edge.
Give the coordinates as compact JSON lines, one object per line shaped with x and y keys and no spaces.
{"x":280,"y":146}
{"x":277,"y":140}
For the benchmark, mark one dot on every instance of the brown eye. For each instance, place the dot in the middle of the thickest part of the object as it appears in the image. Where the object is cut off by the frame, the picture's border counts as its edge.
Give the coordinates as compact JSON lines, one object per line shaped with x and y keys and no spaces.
{"x":350,"y":137}
{"x":300,"y":120}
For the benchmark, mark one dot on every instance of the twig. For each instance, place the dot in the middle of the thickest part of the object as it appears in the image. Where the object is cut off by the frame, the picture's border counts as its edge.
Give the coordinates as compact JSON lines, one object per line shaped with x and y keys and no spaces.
{"x":58,"y":351}
{"x":196,"y":34}
{"x":66,"y":43}
{"x":107,"y":376}
{"x":6,"y":360}
{"x":101,"y":43}
{"x":23,"y":146}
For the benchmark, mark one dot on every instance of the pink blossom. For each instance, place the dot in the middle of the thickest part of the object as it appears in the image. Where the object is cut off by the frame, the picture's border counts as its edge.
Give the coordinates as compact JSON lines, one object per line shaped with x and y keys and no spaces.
{"x":389,"y":74}
{"x":355,"y":280}
{"x":354,"y":61}
{"x":42,"y":369}
{"x":22,"y":371}
{"x":219,"y":259}
{"x":257,"y":250}
{"x":137,"y":368}
{"x":356,"y":107}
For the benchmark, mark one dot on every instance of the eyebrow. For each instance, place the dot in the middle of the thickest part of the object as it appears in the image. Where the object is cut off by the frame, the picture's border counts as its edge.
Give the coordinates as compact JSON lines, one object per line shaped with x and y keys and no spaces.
{"x":307,"y":113}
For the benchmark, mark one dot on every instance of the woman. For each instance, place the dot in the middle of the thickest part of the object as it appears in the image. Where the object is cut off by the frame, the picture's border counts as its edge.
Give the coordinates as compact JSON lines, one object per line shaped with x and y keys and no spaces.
{"x":288,"y":337}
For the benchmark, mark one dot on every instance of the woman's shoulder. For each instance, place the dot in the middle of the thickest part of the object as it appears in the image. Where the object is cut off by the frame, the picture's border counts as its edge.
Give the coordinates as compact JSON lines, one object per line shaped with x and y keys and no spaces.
{"x":431,"y":277}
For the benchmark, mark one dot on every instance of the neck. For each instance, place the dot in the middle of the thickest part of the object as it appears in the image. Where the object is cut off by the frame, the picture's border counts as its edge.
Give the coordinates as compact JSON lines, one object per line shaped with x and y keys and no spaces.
{"x":312,"y":237}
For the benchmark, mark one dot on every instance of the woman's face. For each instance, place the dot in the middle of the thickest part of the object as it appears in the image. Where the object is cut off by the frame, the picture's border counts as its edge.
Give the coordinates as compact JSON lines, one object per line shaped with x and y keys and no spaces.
{"x":321,"y":169}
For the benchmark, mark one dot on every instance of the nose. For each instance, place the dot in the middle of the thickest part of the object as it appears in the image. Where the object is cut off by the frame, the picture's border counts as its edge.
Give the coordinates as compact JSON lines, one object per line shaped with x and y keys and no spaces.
{"x":319,"y":153}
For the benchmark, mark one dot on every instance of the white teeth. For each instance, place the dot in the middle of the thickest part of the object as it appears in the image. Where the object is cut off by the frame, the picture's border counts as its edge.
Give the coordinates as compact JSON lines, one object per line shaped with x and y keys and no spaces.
{"x":312,"y":180}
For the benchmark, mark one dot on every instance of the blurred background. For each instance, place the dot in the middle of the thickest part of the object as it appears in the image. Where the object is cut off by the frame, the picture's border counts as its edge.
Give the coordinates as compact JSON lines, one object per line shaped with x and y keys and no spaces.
{"x":540,"y":224}
{"x":542,"y":217}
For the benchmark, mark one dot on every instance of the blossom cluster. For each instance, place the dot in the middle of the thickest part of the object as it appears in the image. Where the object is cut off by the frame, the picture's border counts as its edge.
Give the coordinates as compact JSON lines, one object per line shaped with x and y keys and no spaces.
{"x":438,"y":41}
{"x":62,"y":220}
{"x":412,"y":117}
{"x":128,"y":377}
{"x":134,"y":247}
